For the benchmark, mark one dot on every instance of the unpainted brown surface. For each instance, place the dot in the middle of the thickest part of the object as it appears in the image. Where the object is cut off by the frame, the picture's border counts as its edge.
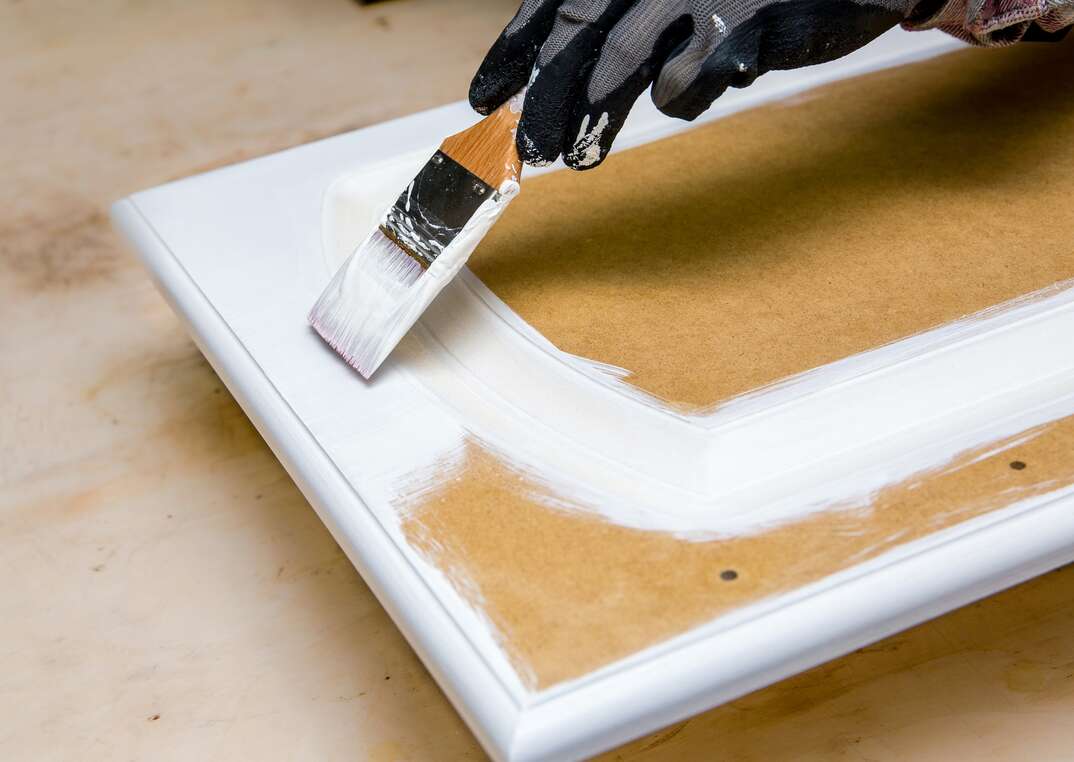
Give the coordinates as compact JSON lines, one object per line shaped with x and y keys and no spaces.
{"x":803,"y":232}
{"x":569,"y":592}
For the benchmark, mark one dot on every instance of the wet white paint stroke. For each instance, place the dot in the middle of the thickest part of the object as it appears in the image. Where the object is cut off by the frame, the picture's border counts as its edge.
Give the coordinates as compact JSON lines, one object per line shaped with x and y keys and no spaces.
{"x":772,"y":455}
{"x":733,"y":501}
{"x":581,"y":498}
{"x":987,"y":453}
{"x":409,"y":495}
{"x":412,"y":489}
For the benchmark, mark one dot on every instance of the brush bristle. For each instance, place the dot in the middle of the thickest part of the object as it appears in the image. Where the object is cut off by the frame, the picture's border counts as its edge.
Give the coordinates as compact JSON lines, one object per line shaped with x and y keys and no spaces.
{"x":362,"y":301}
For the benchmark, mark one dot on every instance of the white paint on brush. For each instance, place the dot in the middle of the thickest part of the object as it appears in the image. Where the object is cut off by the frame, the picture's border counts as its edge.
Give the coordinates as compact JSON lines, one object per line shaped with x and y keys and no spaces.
{"x":377,"y":294}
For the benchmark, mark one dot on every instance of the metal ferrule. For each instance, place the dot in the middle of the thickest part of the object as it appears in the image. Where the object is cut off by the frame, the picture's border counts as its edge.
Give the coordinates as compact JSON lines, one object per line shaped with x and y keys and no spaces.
{"x":435,"y":207}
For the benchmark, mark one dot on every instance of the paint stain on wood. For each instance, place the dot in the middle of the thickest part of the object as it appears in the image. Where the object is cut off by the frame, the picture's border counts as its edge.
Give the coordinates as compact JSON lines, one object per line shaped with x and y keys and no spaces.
{"x":73,"y":247}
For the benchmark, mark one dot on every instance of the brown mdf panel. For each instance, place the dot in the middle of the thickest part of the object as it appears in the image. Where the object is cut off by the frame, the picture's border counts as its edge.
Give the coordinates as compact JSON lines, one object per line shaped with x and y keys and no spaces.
{"x":793,"y":235}
{"x":568,"y":592}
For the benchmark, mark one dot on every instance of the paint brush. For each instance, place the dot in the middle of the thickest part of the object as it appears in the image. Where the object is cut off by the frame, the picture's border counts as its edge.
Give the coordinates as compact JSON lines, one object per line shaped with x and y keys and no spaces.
{"x":421,"y":243}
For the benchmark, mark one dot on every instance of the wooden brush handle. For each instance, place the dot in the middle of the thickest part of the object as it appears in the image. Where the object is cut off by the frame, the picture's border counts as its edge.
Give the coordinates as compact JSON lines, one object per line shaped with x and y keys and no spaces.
{"x":488,"y":148}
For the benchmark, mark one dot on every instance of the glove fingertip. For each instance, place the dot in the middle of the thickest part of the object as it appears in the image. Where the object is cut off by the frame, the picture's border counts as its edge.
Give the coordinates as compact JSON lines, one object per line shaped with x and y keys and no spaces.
{"x":683,"y":108}
{"x":540,"y":130}
{"x":530,"y":151}
{"x":696,"y":99}
{"x":591,"y":146}
{"x":491,"y":86}
{"x":505,"y":70}
{"x":481,"y":96}
{"x":583,"y":161}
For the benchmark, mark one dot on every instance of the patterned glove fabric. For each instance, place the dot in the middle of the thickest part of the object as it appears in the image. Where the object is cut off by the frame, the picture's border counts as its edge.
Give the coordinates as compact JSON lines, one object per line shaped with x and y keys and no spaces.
{"x":591,"y":59}
{"x":995,"y":23}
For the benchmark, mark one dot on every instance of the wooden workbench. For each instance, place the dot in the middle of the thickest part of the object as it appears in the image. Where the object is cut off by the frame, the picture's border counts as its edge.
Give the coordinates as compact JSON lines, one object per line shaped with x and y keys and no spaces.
{"x":168,"y":594}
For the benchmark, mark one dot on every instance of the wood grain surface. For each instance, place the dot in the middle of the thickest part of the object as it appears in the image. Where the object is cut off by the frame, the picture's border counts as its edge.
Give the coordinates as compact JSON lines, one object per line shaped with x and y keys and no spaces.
{"x":488,"y":148}
{"x":167,"y":592}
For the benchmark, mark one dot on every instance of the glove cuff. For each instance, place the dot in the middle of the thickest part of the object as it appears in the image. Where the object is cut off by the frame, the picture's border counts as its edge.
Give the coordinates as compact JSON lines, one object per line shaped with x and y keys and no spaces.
{"x":992,"y":23}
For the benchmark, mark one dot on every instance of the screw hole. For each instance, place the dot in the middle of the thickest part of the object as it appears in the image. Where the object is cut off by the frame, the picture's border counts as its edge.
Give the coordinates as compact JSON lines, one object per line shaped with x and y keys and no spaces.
{"x":729,"y":575}
{"x":1018,"y":465}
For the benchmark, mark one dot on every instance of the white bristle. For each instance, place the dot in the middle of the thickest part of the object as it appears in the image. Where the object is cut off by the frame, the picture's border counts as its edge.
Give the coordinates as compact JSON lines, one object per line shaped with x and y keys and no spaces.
{"x":357,"y":309}
{"x":381,"y":290}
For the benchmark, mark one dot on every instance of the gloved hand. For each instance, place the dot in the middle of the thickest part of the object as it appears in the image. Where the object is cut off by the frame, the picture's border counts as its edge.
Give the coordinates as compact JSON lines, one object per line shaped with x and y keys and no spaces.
{"x":591,"y":59}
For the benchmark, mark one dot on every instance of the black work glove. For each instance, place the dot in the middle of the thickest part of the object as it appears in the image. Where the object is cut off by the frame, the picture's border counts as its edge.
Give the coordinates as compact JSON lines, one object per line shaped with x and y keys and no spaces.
{"x":591,"y":59}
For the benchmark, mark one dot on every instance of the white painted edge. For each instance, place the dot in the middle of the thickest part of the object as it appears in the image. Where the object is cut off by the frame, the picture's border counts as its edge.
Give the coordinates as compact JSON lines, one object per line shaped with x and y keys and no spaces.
{"x":487,"y":706}
{"x":827,"y":623}
{"x":657,"y":687}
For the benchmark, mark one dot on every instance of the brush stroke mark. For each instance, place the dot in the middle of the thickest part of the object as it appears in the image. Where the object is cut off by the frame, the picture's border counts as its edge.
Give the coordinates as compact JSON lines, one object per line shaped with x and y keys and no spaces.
{"x":557,"y":414}
{"x":524,"y":558}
